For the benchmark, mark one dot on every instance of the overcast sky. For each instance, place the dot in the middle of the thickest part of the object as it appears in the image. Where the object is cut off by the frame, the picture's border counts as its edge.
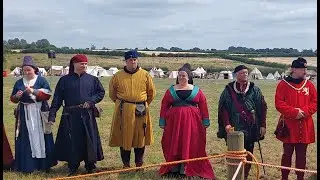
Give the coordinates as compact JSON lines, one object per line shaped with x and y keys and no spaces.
{"x":153,"y":23}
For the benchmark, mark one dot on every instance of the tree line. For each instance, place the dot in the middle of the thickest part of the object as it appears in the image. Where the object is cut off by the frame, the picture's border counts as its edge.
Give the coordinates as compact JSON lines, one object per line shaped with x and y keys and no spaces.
{"x":241,"y":54}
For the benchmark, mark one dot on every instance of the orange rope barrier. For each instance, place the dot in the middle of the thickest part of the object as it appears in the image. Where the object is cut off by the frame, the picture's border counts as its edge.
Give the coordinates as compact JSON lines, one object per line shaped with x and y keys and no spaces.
{"x":228,"y":155}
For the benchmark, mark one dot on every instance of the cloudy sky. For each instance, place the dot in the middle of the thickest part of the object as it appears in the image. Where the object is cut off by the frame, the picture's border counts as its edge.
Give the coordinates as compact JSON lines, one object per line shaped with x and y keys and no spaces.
{"x":152,"y":23}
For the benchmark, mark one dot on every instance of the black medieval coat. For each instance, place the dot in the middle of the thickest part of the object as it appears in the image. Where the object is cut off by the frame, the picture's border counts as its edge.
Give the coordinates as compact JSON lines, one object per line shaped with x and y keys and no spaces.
{"x":78,"y":137}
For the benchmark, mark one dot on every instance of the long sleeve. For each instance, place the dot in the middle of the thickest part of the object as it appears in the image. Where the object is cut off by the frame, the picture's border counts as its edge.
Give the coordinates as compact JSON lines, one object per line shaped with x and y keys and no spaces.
{"x":151,"y":90}
{"x":223,"y":116}
{"x":204,"y":109}
{"x":263,"y":113}
{"x":165,"y":105}
{"x":113,"y":89}
{"x":14,"y":91}
{"x":99,"y":92}
{"x":44,"y":93}
{"x":57,"y":100}
{"x":281,"y":105}
{"x":311,"y":108}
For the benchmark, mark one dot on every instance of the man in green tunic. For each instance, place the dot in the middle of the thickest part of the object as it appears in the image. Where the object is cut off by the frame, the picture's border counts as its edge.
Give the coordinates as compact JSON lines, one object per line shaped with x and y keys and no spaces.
{"x":243,"y":107}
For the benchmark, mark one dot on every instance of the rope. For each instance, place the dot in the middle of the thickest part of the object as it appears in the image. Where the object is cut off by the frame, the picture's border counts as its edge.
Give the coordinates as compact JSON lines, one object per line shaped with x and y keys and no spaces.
{"x":283,"y":167}
{"x":240,"y":155}
{"x":142,"y":167}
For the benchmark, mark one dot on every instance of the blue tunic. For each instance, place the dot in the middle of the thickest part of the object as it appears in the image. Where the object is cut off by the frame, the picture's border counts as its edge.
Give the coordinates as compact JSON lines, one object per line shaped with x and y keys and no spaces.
{"x":78,"y":136}
{"x":23,"y":156}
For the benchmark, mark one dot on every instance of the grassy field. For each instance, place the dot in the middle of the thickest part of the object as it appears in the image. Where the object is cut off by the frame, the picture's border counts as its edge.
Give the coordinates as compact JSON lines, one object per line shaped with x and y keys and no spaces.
{"x":271,"y":147}
{"x":171,"y":63}
{"x":312,"y":61}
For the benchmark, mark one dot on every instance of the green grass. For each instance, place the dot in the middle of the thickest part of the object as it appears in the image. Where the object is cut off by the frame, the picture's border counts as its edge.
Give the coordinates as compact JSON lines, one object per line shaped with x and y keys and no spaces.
{"x":271,"y":147}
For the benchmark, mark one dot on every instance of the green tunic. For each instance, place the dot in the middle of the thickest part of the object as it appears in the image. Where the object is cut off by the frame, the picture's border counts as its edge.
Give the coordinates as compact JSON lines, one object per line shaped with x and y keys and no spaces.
{"x":252,"y":100}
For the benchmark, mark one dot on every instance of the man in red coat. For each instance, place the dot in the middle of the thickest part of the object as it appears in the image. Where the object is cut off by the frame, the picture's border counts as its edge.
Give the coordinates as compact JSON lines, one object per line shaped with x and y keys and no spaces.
{"x":296,"y":100}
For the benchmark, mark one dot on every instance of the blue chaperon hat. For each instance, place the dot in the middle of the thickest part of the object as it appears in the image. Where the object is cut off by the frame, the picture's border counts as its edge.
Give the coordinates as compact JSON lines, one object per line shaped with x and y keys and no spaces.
{"x":130,"y":54}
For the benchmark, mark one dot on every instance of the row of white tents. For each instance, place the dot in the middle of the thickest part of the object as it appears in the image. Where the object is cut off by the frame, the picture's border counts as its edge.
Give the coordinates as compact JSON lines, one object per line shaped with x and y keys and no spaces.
{"x":61,"y":71}
{"x":154,"y":72}
{"x":200,"y":72}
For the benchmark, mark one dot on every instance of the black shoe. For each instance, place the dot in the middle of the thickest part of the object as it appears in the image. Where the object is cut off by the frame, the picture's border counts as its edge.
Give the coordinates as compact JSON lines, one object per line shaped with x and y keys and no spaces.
{"x":72,"y":172}
{"x":90,"y":171}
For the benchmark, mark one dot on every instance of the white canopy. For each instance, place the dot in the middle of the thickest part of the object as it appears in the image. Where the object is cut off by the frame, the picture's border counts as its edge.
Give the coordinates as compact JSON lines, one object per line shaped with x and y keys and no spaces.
{"x":56,"y":70}
{"x":270,"y":77}
{"x":154,"y":72}
{"x":43,"y":71}
{"x":255,"y":74}
{"x":98,"y":71}
{"x":277,"y":76}
{"x":16,"y":71}
{"x":173,"y":74}
{"x":199,"y":72}
{"x":114,"y":70}
{"x":225,"y":75}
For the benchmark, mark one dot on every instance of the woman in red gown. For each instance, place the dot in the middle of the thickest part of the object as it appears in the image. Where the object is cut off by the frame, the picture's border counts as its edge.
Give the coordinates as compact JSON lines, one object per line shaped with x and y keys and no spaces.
{"x":6,"y":153}
{"x":184,"y":117}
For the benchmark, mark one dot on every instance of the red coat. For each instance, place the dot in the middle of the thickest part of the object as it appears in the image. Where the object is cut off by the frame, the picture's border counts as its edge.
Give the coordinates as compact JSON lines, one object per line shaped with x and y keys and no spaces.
{"x":304,"y":97}
{"x":6,"y":153}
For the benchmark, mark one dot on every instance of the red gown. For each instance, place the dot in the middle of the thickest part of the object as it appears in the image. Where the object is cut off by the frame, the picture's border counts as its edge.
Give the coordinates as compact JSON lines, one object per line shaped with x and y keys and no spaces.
{"x":184,"y":135}
{"x":6,"y":154}
{"x":304,"y":97}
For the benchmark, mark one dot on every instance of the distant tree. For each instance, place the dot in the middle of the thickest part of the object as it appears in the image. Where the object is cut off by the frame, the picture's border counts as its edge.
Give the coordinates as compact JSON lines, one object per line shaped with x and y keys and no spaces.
{"x":104,"y":48}
{"x":23,"y":43}
{"x":43,"y":43}
{"x":175,"y":49}
{"x":14,"y":43}
{"x":161,"y":49}
{"x":195,"y":49}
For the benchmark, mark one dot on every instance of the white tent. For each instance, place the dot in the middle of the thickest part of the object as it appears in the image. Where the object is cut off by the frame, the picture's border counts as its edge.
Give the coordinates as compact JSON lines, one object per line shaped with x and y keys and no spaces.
{"x":199,"y":72}
{"x":173,"y":74}
{"x":56,"y":70}
{"x":98,"y":71}
{"x":66,"y":71}
{"x":277,"y":76}
{"x":225,"y":75}
{"x":114,"y":70}
{"x":270,"y":77}
{"x":161,"y":72}
{"x":43,"y":72}
{"x":17,"y":71}
{"x":255,"y":74}
{"x":154,"y":72}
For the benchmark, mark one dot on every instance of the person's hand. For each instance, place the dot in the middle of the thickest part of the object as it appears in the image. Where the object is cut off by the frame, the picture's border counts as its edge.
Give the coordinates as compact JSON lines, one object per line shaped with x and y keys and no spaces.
{"x":18,"y":94}
{"x":228,"y":128}
{"x":262,"y":131}
{"x":86,"y":105}
{"x":29,"y":90}
{"x":300,"y":114}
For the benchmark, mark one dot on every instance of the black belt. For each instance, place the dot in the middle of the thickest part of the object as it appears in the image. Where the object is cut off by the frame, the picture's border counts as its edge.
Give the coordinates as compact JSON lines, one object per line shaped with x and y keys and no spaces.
{"x":125,"y":101}
{"x":183,"y":103}
{"x":79,"y":106}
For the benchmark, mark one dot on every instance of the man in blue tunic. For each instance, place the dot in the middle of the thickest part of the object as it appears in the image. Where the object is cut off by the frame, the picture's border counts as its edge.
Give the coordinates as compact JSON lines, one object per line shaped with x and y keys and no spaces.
{"x":78,"y":136}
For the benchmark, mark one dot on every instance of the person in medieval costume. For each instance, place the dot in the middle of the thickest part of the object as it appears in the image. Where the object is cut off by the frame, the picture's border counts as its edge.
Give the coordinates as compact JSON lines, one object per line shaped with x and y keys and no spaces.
{"x":184,"y":117}
{"x":6,"y":151}
{"x":296,"y":100}
{"x":33,"y":146}
{"x":78,"y":137}
{"x":242,"y":107}
{"x":132,"y":90}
